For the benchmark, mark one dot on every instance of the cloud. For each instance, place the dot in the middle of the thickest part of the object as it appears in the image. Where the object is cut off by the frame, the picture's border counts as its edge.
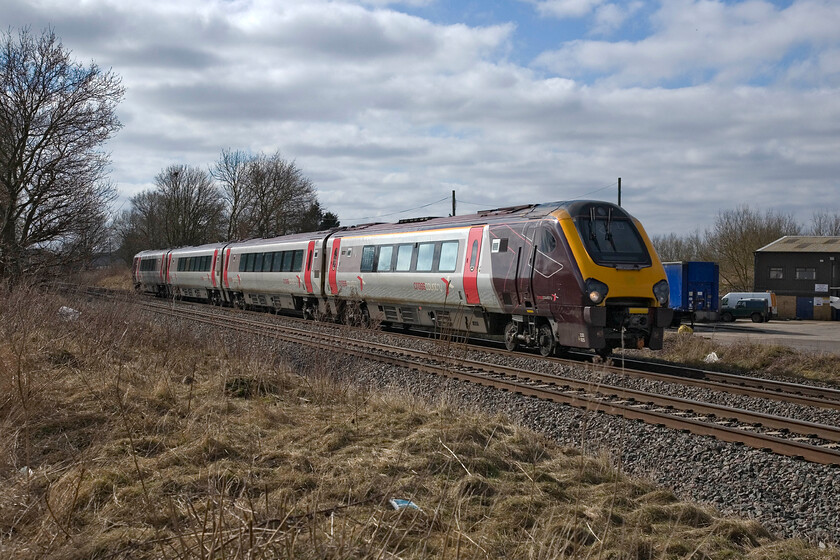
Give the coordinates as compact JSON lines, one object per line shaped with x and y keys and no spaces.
{"x":610,"y":17}
{"x":385,"y":111}
{"x":566,"y":8}
{"x":700,"y":40}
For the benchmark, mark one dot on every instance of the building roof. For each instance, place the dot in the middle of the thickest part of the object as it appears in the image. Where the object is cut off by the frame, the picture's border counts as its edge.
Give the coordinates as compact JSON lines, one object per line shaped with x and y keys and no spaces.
{"x":803,"y":244}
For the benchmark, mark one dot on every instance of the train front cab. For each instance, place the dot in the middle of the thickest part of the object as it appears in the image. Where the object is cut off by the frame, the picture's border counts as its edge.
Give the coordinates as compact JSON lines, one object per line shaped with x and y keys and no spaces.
{"x":151,"y":272}
{"x":622,"y":283}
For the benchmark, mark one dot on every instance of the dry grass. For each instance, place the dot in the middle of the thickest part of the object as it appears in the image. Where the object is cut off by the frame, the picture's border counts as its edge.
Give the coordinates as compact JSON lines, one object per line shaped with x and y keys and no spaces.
{"x":124,"y":437}
{"x":746,"y":357}
{"x":117,"y":277}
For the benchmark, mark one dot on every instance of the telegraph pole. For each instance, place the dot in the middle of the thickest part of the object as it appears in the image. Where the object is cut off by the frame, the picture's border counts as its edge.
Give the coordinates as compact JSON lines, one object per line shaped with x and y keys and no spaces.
{"x":453,"y":202}
{"x":619,"y":191}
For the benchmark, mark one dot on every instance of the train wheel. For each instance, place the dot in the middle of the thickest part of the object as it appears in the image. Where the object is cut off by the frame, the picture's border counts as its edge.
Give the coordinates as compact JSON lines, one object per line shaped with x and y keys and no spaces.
{"x":511,"y":342}
{"x":364,"y":317}
{"x":545,"y":340}
{"x":356,"y":315}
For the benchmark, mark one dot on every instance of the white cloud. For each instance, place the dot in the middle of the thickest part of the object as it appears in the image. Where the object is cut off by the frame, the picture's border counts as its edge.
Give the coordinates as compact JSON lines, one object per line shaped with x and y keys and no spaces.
{"x":566,"y":8}
{"x":610,"y":17}
{"x":387,"y":111}
{"x":699,"y":40}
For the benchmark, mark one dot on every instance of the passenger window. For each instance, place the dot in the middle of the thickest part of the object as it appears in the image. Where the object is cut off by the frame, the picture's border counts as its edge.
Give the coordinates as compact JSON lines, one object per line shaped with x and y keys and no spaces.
{"x":277,"y":261}
{"x":242,"y":262}
{"x":368,"y":258}
{"x":448,"y":256}
{"x":334,"y":263}
{"x":258,"y":261}
{"x":288,"y":257}
{"x":473,"y":255}
{"x":249,"y":267}
{"x":404,"y":257}
{"x":425,"y":257}
{"x":384,"y":262}
{"x":266,"y":267}
{"x":297,"y":261}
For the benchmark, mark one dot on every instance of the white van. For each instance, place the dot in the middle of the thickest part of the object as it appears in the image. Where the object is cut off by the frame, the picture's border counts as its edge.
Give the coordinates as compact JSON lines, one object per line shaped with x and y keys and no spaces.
{"x":732,"y":298}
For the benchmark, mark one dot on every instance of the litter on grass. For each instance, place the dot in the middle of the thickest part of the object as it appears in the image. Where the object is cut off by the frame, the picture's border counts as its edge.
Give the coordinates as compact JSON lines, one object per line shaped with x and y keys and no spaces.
{"x":398,"y":503}
{"x":68,"y":313}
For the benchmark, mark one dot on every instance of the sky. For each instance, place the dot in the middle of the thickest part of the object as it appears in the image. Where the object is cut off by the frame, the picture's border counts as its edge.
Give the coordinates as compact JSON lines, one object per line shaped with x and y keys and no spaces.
{"x":700,"y":106}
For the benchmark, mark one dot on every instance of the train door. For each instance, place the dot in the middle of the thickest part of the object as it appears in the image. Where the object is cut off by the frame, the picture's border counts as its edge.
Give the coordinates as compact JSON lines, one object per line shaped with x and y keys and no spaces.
{"x":216,"y":271}
{"x":471,"y":264}
{"x":336,"y":247}
{"x":213,"y":270}
{"x":226,"y":271}
{"x":547,"y":268}
{"x":307,"y":269}
{"x":525,"y":275}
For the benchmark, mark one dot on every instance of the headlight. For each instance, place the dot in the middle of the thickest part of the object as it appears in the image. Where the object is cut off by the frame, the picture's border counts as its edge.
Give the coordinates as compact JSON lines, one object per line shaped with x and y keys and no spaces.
{"x":662,"y":292}
{"x":596,"y":290}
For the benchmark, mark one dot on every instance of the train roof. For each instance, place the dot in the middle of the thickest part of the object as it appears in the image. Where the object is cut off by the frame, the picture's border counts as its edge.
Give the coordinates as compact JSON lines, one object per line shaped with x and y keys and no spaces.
{"x":482,"y":217}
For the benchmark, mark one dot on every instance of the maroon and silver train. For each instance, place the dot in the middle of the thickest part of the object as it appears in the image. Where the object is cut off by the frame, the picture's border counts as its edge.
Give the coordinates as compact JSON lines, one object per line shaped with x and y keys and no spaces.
{"x":579,"y":274}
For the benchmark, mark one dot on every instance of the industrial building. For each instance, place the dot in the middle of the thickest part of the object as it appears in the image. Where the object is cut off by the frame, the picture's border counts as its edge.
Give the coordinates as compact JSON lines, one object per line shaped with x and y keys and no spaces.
{"x":804,"y":272}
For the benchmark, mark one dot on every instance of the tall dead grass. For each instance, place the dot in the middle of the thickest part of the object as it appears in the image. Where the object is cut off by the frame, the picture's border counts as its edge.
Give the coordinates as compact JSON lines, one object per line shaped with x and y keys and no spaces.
{"x":127,"y":436}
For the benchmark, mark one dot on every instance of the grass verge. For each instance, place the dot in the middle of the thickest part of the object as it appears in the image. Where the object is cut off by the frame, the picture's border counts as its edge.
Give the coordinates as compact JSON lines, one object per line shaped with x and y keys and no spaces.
{"x":746,"y":357}
{"x":125,"y":437}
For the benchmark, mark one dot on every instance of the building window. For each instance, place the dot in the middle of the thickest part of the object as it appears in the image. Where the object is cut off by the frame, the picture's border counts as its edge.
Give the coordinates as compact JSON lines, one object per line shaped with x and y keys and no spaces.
{"x":777,"y":273}
{"x":806,"y":273}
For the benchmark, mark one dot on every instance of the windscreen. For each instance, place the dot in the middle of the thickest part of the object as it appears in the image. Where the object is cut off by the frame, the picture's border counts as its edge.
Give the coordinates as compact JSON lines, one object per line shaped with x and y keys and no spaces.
{"x":610,"y":237}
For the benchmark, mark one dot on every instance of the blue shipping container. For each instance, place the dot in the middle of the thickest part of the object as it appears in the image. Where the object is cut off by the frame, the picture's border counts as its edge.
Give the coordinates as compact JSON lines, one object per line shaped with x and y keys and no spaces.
{"x":694,"y":287}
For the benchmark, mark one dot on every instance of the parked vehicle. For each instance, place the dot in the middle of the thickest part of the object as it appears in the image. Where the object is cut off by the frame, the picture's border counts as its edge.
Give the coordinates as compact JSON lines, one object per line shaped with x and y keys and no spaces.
{"x":694,"y":290}
{"x":756,"y":309}
{"x":730,"y":300}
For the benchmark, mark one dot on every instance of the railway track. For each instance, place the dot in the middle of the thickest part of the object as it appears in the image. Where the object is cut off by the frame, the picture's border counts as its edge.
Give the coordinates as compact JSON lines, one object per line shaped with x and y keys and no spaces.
{"x":814,"y":442}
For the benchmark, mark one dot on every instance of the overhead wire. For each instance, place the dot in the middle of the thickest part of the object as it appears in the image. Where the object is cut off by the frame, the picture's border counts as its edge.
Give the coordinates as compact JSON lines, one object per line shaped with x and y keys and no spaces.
{"x":485,"y":205}
{"x":399,"y":211}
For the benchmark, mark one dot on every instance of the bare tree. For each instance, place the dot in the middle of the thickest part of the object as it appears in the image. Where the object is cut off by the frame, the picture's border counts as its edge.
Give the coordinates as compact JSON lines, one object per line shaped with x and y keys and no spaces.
{"x":190,"y":206}
{"x":279,"y":197}
{"x":735,"y":237}
{"x":231,"y":171}
{"x":140,"y":227}
{"x":824,"y":223}
{"x":672,"y":247}
{"x":55,"y":114}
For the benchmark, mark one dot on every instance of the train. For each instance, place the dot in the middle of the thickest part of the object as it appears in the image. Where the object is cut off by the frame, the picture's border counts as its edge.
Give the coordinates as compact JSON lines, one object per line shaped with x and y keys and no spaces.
{"x":563,"y":275}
